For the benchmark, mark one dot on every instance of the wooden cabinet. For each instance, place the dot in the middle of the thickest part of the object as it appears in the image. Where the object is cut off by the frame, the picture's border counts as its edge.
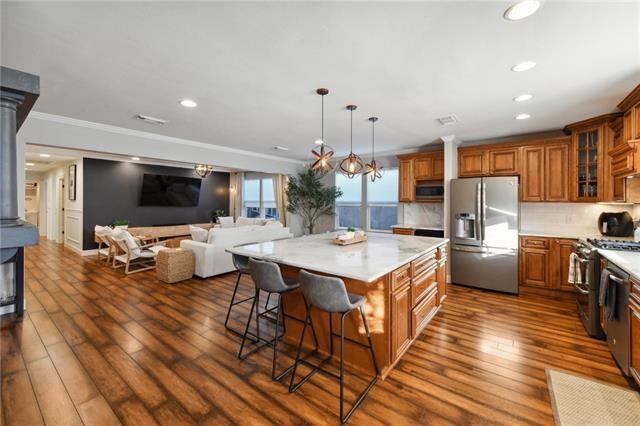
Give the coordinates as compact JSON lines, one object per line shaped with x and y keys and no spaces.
{"x":401,"y":313}
{"x":544,"y":262}
{"x":587,"y":173}
{"x":441,"y":278}
{"x":534,"y":268}
{"x":404,"y":231}
{"x":532,"y":185}
{"x":561,"y":253}
{"x":504,"y":162}
{"x":423,"y":312}
{"x":472,"y":162}
{"x":407,"y":190}
{"x":556,"y":172}
{"x":542,"y":164}
{"x":422,"y":166}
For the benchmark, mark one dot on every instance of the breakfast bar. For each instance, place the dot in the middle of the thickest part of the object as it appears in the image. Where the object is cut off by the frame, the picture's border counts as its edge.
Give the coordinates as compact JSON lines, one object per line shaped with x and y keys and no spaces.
{"x":403,"y":278}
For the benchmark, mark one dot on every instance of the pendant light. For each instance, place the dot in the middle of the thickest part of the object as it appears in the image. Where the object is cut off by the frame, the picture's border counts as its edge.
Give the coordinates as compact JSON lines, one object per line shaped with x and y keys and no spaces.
{"x":352,"y":164}
{"x":373,"y":169}
{"x":322,"y":152}
{"x":203,"y":170}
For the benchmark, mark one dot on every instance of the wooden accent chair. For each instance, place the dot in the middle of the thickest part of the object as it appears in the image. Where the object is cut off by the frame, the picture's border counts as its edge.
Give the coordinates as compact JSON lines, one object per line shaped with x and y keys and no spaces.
{"x":134,"y":254}
{"x":103,"y":235}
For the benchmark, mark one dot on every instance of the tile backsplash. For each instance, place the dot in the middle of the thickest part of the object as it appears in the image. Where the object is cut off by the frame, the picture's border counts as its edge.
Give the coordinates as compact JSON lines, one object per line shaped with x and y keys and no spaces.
{"x":564,"y":218}
{"x":428,"y":214}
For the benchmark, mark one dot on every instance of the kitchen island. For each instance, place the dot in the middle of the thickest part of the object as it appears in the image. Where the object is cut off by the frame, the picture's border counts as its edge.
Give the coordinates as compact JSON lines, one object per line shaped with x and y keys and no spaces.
{"x":403,"y":277}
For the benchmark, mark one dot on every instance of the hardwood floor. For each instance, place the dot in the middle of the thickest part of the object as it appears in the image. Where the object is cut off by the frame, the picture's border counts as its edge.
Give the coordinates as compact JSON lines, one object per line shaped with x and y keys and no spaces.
{"x":96,"y":347}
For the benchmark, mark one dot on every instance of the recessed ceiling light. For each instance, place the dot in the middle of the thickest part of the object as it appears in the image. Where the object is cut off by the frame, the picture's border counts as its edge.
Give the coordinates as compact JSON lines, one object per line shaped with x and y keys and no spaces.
{"x":522,"y":98}
{"x":523,"y":116}
{"x":521,"y":10}
{"x":319,"y":142}
{"x":135,"y":158}
{"x":189,"y":103}
{"x":523,"y":66}
{"x":30,"y":164}
{"x":45,"y":155}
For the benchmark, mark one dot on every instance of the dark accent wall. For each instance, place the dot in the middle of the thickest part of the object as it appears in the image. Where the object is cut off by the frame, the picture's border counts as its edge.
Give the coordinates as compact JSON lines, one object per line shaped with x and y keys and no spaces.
{"x":112,"y":191}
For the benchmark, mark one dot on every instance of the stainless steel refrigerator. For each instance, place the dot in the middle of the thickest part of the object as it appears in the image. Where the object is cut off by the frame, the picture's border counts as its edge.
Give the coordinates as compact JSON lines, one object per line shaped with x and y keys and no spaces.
{"x":485,"y":220}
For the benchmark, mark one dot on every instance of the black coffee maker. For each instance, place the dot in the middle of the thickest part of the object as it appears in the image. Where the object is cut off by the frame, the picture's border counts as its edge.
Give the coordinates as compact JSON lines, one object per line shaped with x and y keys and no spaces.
{"x":619,"y":224}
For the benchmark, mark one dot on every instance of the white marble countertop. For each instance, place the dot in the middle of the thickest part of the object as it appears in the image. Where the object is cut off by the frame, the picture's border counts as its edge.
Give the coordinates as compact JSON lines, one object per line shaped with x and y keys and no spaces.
{"x":366,"y":261}
{"x":627,"y":261}
{"x":418,"y":226}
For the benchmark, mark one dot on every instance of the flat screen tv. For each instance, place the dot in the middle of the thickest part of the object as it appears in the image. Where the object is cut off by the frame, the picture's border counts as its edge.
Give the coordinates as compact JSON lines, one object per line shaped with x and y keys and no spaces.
{"x":163,"y":190}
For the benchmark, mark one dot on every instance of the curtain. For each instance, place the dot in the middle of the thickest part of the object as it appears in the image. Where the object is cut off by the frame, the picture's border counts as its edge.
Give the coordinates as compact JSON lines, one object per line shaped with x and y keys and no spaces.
{"x":236,"y":184}
{"x":280,"y":182}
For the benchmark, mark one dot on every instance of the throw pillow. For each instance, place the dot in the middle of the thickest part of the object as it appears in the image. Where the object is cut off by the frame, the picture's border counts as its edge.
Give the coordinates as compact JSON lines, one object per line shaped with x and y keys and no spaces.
{"x":198,"y":234}
{"x":245,"y":221}
{"x":226,"y":221}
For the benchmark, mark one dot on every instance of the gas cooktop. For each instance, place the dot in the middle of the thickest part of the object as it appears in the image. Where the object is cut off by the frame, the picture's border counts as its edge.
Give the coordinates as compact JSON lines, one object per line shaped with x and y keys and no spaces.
{"x":614,"y":244}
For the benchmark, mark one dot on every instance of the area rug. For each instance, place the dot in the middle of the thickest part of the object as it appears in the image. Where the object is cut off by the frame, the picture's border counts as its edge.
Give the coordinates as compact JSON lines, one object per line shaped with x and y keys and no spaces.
{"x":580,"y":401}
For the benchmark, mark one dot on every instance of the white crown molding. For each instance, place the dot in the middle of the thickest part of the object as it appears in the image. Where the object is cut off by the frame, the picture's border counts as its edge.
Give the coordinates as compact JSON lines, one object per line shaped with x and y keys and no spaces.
{"x":154,"y":136}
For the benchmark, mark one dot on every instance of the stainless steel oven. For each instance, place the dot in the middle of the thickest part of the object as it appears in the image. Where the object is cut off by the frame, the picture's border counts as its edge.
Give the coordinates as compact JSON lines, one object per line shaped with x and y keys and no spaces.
{"x":588,"y":287}
{"x":429,"y":191}
{"x":618,"y":326}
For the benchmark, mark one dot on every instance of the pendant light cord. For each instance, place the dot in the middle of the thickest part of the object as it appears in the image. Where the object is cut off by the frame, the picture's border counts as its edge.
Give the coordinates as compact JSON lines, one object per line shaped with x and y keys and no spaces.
{"x":351,"y":149}
{"x":322,"y":121}
{"x":373,"y":139}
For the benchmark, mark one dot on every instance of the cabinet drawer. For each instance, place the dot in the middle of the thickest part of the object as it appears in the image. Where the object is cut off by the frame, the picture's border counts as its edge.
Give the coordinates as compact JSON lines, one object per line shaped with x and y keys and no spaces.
{"x":400,"y":277}
{"x":423,"y":284}
{"x":422,"y":314}
{"x":535,"y":242}
{"x":423,"y":263}
{"x":404,"y":231}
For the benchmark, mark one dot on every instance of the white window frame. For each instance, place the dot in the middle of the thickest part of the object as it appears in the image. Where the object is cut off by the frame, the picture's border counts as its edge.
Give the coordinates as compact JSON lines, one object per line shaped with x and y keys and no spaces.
{"x":365,"y":213}
{"x":261,"y":206}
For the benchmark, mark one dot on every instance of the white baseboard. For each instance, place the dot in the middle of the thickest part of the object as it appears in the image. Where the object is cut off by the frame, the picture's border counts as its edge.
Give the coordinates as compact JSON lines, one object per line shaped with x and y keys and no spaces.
{"x":74,"y":248}
{"x":93,"y":252}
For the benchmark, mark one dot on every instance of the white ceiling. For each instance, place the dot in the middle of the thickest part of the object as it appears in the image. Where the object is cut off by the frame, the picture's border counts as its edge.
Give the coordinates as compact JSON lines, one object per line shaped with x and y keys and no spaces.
{"x":254,"y":67}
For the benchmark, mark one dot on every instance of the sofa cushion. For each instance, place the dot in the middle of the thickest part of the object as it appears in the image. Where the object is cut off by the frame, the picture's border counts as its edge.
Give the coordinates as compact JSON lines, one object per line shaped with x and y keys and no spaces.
{"x":247,"y":221}
{"x":198,"y":234}
{"x":226,"y":221}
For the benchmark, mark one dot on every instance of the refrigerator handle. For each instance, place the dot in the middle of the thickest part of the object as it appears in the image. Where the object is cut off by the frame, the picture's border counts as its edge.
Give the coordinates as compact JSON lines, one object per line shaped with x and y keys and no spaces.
{"x":484,"y":209}
{"x":478,"y":220}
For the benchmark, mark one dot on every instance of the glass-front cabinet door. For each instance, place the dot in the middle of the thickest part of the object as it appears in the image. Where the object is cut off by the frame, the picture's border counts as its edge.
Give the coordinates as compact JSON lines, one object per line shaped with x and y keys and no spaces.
{"x":588,"y":150}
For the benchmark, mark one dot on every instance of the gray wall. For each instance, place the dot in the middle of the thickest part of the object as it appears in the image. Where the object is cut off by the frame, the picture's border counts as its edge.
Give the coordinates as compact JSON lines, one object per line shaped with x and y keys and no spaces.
{"x":112,"y":191}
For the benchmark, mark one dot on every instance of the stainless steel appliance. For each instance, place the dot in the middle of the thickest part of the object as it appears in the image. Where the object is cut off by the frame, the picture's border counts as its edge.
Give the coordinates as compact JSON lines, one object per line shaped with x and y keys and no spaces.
{"x":618,"y":327}
{"x":426,"y":190}
{"x":484,"y":242}
{"x":588,"y":287}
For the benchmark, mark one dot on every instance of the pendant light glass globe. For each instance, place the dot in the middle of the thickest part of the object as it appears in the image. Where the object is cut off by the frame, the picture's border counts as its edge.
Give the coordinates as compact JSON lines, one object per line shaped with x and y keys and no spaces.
{"x":373,"y":169}
{"x":322,"y":153}
{"x":203,"y":170}
{"x":352,"y":164}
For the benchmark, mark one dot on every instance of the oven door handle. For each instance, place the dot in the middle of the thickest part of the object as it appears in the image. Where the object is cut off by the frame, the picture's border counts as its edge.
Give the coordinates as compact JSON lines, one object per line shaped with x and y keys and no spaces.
{"x":616,"y":279}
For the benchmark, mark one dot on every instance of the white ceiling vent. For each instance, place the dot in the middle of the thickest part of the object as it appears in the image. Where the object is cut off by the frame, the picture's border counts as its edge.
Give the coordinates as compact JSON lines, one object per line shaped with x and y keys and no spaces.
{"x":150,"y":120}
{"x":447,"y":119}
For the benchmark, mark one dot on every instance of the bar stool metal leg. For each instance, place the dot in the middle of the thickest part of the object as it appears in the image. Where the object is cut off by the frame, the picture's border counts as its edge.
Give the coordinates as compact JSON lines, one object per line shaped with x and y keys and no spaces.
{"x":234,"y":303}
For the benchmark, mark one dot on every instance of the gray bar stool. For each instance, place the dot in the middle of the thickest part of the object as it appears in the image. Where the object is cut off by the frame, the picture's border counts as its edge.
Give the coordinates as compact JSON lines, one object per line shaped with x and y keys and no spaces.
{"x":242,"y":265}
{"x":329,"y":294}
{"x":267,"y":277}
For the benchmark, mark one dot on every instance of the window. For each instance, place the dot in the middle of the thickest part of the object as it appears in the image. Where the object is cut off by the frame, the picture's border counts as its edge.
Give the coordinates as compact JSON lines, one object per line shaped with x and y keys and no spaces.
{"x":258,"y":198}
{"x":382,"y":201}
{"x":349,"y":206}
{"x":368,"y":205}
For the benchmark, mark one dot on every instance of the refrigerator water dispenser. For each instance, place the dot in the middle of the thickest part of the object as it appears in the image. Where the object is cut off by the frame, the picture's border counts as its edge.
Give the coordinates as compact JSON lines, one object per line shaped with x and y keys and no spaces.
{"x":466,"y":225}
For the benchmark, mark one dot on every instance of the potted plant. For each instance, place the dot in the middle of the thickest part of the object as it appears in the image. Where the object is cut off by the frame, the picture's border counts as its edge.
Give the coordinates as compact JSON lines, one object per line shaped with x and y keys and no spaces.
{"x":215,"y":214}
{"x":121,"y":223}
{"x":351,"y":233}
{"x":309,"y":198}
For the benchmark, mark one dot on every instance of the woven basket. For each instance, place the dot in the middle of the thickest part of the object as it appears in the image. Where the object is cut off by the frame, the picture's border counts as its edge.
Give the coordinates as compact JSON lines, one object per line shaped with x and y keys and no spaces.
{"x":173,"y":265}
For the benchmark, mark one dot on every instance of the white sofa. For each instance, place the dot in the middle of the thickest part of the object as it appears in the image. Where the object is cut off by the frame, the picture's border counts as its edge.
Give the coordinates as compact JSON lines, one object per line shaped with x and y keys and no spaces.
{"x":211,"y":257}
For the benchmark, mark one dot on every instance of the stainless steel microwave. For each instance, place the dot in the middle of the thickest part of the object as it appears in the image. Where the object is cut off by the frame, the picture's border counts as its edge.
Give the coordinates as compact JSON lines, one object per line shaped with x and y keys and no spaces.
{"x":429,"y":191}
